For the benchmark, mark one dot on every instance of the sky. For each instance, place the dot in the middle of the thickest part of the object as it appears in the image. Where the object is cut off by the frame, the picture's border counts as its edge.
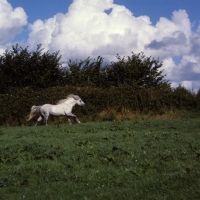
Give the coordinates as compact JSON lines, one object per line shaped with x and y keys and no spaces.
{"x":164,"y":29}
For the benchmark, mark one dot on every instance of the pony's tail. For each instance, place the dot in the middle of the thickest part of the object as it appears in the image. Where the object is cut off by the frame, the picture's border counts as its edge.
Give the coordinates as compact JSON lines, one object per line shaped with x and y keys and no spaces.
{"x":35,"y":111}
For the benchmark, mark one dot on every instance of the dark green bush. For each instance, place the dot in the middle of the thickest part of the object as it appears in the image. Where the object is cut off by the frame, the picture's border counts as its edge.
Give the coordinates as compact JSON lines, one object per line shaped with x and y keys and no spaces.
{"x":184,"y":99}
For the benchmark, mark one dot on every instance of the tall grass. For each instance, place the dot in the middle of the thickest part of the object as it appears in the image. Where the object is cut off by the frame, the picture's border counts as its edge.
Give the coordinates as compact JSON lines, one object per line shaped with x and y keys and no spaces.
{"x":147,"y":159}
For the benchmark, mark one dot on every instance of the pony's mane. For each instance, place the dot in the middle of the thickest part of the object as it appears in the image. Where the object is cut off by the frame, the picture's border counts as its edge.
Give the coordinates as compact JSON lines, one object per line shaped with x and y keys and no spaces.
{"x":76,"y":97}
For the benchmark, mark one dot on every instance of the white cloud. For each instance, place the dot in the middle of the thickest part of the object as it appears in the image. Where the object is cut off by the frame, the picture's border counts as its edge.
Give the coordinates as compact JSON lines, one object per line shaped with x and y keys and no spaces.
{"x":187,"y":84}
{"x":101,"y":27}
{"x":11,"y":23}
{"x":87,"y":29}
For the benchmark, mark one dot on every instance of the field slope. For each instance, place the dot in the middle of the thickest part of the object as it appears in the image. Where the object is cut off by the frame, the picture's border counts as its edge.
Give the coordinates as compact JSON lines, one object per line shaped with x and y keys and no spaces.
{"x":147,"y":159}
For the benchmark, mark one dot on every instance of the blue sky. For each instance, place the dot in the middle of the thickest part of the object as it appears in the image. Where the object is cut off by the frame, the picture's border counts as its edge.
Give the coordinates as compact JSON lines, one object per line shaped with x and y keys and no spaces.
{"x":45,"y":9}
{"x":168,"y":29}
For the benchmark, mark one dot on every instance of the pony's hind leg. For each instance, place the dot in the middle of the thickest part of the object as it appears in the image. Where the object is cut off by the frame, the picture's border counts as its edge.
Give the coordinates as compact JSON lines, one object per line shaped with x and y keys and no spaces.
{"x":38,"y":120}
{"x":46,"y":116}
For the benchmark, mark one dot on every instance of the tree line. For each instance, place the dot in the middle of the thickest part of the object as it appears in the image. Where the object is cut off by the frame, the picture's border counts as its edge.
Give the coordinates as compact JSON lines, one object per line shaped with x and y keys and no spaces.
{"x":20,"y":68}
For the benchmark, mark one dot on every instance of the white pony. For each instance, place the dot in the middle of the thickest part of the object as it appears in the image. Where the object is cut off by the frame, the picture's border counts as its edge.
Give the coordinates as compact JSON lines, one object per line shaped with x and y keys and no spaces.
{"x":62,"y":107}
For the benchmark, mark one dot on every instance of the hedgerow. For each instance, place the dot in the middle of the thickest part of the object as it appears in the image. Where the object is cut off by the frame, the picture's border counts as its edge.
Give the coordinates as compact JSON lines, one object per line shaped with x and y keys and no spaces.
{"x":16,"y":103}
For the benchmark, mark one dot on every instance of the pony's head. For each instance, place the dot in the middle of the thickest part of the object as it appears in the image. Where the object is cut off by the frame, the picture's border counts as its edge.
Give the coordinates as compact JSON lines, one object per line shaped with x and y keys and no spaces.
{"x":80,"y":102}
{"x":77,"y":99}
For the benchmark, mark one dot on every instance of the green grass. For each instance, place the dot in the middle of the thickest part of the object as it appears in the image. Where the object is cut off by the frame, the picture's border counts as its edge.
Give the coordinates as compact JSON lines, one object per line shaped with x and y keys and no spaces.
{"x":147,"y":159}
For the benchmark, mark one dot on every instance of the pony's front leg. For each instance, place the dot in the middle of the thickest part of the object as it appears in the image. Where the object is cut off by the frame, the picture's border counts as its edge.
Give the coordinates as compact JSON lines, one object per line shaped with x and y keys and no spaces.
{"x":72,"y":115}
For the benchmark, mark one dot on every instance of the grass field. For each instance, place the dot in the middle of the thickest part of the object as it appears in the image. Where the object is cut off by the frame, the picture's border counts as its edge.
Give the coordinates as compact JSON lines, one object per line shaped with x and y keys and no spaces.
{"x":145,"y":159}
